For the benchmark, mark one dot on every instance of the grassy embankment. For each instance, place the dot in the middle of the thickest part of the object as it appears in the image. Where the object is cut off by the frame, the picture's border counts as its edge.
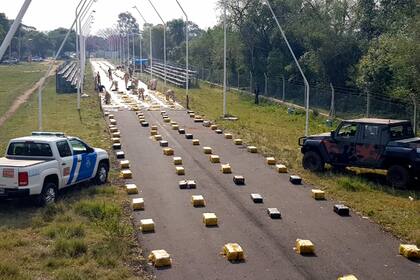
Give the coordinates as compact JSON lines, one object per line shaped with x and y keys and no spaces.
{"x":269,"y":127}
{"x":88,"y":234}
{"x":19,"y":78}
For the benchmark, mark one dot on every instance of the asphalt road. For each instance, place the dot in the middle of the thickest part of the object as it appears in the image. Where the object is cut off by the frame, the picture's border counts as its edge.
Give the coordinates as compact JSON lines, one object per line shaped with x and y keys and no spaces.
{"x":343,"y":245}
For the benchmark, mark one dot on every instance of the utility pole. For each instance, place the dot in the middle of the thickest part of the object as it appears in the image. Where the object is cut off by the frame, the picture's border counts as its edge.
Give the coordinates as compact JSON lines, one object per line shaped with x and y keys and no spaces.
{"x":7,"y":40}
{"x":297,"y":64}
{"x":224,"y":59}
{"x":332,"y":107}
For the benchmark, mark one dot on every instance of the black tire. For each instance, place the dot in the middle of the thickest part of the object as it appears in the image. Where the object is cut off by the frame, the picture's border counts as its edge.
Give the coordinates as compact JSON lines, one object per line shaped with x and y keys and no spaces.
{"x":313,"y":161}
{"x":398,"y":176}
{"x":101,"y":176}
{"x":48,"y":194}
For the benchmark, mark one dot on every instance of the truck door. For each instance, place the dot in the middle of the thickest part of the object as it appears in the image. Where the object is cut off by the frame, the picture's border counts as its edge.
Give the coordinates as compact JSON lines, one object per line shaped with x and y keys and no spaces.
{"x":369,"y":146}
{"x":86,"y":159}
{"x":65,"y":162}
{"x":345,"y":140}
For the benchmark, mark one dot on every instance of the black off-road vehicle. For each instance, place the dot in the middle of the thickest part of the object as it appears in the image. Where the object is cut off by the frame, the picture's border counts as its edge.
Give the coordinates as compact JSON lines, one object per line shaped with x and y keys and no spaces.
{"x":369,"y":143}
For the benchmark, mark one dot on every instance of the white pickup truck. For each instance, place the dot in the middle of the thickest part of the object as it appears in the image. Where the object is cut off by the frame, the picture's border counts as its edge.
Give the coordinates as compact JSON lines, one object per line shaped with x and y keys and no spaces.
{"x":42,"y":164}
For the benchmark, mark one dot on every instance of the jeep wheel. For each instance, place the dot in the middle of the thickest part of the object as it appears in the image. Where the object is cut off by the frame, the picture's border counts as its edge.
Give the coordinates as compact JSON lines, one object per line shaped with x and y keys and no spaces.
{"x":398,"y":176}
{"x":102,"y":174}
{"x":313,"y":161}
{"x":48,"y":194}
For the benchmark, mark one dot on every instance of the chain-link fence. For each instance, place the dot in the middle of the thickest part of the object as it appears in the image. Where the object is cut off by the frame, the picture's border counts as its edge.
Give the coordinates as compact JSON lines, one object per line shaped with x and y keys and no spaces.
{"x":335,"y":101}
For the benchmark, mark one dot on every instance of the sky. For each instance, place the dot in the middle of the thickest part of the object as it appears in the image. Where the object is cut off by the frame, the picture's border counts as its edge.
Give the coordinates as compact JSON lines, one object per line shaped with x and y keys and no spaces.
{"x":46,"y":15}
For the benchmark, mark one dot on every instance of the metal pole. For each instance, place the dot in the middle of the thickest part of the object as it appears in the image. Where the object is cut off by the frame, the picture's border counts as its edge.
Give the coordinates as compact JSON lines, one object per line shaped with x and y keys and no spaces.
{"x":224,"y":59}
{"x":332,"y":109}
{"x":150,"y":34}
{"x":151,"y":52}
{"x":265,"y":84}
{"x":46,"y":76}
{"x":141,"y":56}
{"x":250,"y":82}
{"x":128,"y":50}
{"x":297,"y":64}
{"x":164,"y":41}
{"x":134,"y":54}
{"x":14,"y":27}
{"x":186,"y":46}
{"x":284,"y":88}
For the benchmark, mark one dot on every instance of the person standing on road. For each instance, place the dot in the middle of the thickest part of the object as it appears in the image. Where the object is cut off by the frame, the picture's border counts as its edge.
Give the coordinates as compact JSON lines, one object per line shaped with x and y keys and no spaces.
{"x":126,"y":78}
{"x":110,"y":73}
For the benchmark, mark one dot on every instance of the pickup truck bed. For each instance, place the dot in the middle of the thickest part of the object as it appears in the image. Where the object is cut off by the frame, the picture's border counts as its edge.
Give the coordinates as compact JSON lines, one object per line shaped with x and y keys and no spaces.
{"x":5,"y":162}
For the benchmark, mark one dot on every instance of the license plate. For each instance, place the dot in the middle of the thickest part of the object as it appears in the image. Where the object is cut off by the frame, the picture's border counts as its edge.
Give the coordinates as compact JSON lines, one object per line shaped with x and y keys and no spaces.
{"x":8,"y":173}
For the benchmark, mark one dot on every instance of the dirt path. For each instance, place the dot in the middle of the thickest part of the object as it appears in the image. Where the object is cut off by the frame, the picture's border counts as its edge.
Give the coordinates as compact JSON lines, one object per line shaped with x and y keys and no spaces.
{"x":23,"y":98}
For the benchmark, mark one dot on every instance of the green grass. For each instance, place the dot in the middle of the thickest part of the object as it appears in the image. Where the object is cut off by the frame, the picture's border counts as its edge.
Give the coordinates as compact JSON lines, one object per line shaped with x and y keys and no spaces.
{"x":269,"y":127}
{"x":88,"y":233}
{"x":16,"y":79}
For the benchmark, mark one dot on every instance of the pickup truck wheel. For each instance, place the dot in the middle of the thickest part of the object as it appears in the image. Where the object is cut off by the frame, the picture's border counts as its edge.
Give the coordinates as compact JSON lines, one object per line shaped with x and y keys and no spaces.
{"x":313,"y":161}
{"x":48,"y":194}
{"x":398,"y":176}
{"x":102,"y":174}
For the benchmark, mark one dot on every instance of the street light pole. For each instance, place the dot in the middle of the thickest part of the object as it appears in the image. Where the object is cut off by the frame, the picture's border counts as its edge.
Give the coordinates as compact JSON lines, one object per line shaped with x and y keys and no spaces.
{"x":151,"y":47}
{"x":297,"y":64}
{"x":14,"y":27}
{"x":224,"y":59}
{"x":164,"y":40}
{"x":186,"y":54}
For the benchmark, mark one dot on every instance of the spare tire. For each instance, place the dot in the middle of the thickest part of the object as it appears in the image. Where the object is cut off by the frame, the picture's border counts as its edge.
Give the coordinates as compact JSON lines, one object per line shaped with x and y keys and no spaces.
{"x":398,"y":176}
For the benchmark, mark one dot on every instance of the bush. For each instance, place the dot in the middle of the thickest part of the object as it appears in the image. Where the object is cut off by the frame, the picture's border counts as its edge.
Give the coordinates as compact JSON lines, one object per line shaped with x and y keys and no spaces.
{"x":9,"y":271}
{"x":97,"y":210}
{"x":72,"y":248}
{"x":51,"y":210}
{"x":65,"y":231}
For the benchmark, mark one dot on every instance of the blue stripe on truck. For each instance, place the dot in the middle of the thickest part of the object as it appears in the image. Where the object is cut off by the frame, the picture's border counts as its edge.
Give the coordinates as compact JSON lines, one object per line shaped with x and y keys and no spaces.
{"x":73,"y":169}
{"x":87,"y":166}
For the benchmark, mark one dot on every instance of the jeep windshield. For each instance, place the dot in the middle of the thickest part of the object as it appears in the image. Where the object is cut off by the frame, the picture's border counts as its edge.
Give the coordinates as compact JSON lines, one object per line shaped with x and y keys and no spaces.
{"x":401,"y":131}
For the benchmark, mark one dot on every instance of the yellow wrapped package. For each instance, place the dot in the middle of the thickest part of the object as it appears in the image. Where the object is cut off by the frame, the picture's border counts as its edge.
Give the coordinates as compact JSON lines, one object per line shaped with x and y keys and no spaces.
{"x":116,"y":140}
{"x":228,"y":136}
{"x":168,"y":151}
{"x":126,"y":174}
{"x":271,"y":161}
{"x":175,"y":127}
{"x":347,"y":277}
{"x":113,"y":129}
{"x":160,"y":258}
{"x":233,"y":252}
{"x":131,"y":189}
{"x":207,"y":150}
{"x":180,"y":170}
{"x":113,"y":122}
{"x":124,"y":164}
{"x":158,"y":137}
{"x":177,"y":160}
{"x":225,"y":168}
{"x":174,"y":123}
{"x":154,"y":127}
{"x":196,"y":142}
{"x":214,"y":159}
{"x":318,"y":194}
{"x":198,"y":201}
{"x":147,"y":225}
{"x":410,"y":251}
{"x":252,"y":149}
{"x":210,"y":219}
{"x":304,"y":246}
{"x":153,"y":132}
{"x":213,"y":127}
{"x":116,"y":134}
{"x":281,"y":168}
{"x":237,"y":141}
{"x":138,"y":203}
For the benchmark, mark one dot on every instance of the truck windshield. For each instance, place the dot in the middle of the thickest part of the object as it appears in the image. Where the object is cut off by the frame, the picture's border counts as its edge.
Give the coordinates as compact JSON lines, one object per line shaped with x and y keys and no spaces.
{"x":29,"y":149}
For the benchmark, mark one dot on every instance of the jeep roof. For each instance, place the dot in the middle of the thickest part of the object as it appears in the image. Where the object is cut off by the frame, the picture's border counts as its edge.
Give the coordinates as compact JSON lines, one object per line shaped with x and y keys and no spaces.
{"x":377,"y":121}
